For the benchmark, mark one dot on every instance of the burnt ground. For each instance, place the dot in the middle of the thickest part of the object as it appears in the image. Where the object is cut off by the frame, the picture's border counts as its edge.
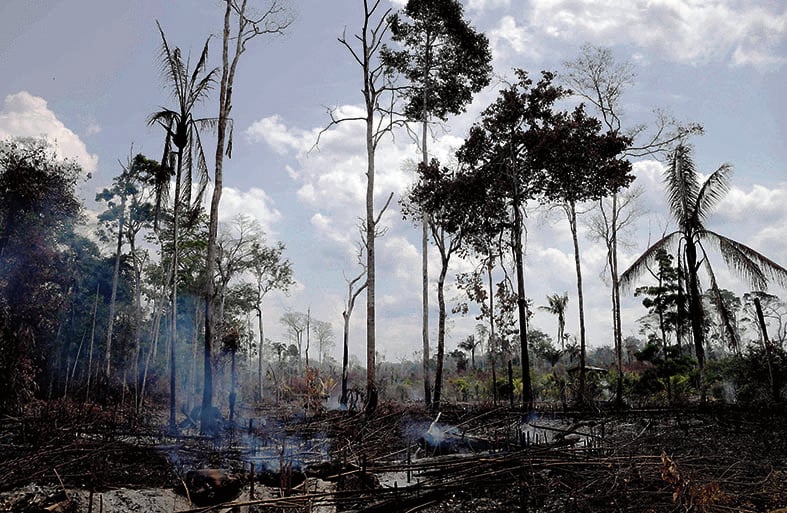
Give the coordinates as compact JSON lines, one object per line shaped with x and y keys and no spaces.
{"x":479,"y":459}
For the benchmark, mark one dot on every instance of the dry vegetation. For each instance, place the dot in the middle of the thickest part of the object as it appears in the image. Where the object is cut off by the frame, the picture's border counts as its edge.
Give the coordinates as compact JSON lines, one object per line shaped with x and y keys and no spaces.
{"x":66,"y":457}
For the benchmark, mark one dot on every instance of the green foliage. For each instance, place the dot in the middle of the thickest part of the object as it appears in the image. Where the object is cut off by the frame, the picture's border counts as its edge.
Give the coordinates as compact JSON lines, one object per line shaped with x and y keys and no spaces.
{"x":38,"y":209}
{"x":748,"y":375}
{"x":443,"y":58}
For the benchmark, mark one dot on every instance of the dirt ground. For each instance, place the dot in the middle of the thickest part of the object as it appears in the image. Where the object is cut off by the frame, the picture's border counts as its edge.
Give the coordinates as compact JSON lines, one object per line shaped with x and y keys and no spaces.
{"x":72,"y":458}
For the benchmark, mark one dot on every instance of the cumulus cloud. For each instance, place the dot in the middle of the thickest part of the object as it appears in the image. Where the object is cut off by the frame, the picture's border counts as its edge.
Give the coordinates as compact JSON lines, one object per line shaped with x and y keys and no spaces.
{"x":484,"y":5}
{"x":508,"y":38}
{"x":254,"y":202}
{"x":277,"y":135}
{"x":738,"y":32}
{"x":25,"y":115}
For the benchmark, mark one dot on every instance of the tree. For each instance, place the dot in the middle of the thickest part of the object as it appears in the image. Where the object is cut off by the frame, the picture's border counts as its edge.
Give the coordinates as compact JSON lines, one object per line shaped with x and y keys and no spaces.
{"x":271,"y":271}
{"x":663,"y":299}
{"x":442,"y":196}
{"x":496,"y":155}
{"x":129,"y":211}
{"x":601,"y":81}
{"x":378,"y":121}
{"x":38,"y":211}
{"x":690,"y":202}
{"x":354,"y":288}
{"x":296,"y":323}
{"x":323,"y":333}
{"x":580,"y":164}
{"x":557,"y":307}
{"x":469,"y":344}
{"x":273,"y":18}
{"x":774,"y":313}
{"x":445,"y":62}
{"x":189,"y":88}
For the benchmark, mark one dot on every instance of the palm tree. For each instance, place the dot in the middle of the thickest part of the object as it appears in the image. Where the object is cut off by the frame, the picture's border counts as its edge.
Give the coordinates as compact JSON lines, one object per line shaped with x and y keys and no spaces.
{"x":188,"y":87}
{"x":690,"y":204}
{"x":557,"y":307}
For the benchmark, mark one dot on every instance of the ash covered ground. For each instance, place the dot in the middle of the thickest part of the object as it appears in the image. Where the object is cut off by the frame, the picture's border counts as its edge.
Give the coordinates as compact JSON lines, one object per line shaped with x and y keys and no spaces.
{"x":77,"y":458}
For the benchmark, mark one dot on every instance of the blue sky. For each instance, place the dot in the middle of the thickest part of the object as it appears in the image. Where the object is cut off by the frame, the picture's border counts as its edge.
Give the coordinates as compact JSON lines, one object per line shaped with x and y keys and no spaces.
{"x":86,"y":74}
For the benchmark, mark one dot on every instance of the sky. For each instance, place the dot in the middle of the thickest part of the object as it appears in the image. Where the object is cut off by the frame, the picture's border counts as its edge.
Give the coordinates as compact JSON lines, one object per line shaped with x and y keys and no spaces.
{"x":86,"y":74}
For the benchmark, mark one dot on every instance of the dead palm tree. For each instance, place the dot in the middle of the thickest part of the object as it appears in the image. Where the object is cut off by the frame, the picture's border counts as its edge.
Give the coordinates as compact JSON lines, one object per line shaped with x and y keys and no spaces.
{"x":691,"y":202}
{"x":188,"y":88}
{"x":557,"y":307}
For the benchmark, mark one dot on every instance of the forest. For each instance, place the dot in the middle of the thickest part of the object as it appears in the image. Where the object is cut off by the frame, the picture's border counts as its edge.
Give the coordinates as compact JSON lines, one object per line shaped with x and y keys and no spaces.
{"x":134,"y":347}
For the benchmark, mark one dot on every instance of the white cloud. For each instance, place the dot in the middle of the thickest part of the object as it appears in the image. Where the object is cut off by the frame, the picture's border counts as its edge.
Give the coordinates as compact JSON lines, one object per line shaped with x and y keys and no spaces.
{"x":277,"y":135}
{"x":254,"y":202}
{"x":509,"y":37}
{"x":25,"y":115}
{"x":484,"y":5}
{"x":691,"y":31}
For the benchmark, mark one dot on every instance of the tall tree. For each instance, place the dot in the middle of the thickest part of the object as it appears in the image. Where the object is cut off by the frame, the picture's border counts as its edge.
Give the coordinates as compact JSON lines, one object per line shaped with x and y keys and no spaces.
{"x":601,"y":81}
{"x":38,"y":211}
{"x":497,"y":154}
{"x":449,"y":204}
{"x":663,"y":298}
{"x":445,"y":62}
{"x":579,"y":163}
{"x":272,"y":18}
{"x":323,"y":333}
{"x":690,"y":202}
{"x":271,"y":271}
{"x":189,"y":88}
{"x":355,"y":286}
{"x":557,"y":307}
{"x":114,"y":218}
{"x":378,"y":117}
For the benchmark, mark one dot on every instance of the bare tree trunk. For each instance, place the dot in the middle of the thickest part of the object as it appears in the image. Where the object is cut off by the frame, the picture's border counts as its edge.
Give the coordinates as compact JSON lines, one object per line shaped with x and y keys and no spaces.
{"x":260,"y":391}
{"x":425,"y":262}
{"x":438,"y":375}
{"x":572,"y":219}
{"x":225,"y":98}
{"x":90,"y":353}
{"x":527,"y":389}
{"x":174,"y":289}
{"x":492,"y":330}
{"x":768,"y":351}
{"x":371,"y":323}
{"x":115,"y":277}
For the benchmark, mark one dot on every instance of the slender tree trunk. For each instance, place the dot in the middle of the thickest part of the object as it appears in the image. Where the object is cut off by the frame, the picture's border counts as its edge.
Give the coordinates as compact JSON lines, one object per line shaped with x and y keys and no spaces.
{"x":174,"y":285}
{"x":425,"y":257}
{"x":260,"y":391}
{"x":137,"y":324}
{"x":695,"y":311}
{"x":616,"y":321}
{"x":492,"y":330}
{"x":345,"y":357}
{"x":768,"y":351}
{"x":438,"y":375}
{"x":225,"y":103}
{"x":90,"y":353}
{"x":371,"y":387}
{"x":115,"y":277}
{"x":572,"y":219}
{"x":527,"y":390}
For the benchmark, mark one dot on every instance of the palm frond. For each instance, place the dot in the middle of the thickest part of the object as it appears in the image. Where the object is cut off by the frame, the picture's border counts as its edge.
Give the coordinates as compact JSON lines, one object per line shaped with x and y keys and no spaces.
{"x":713,"y":191}
{"x":647,"y":258}
{"x":165,"y":117}
{"x":721,"y":307}
{"x":682,"y":185}
{"x":750,"y":264}
{"x":202,"y":169}
{"x":172,"y":67}
{"x":202,"y":63}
